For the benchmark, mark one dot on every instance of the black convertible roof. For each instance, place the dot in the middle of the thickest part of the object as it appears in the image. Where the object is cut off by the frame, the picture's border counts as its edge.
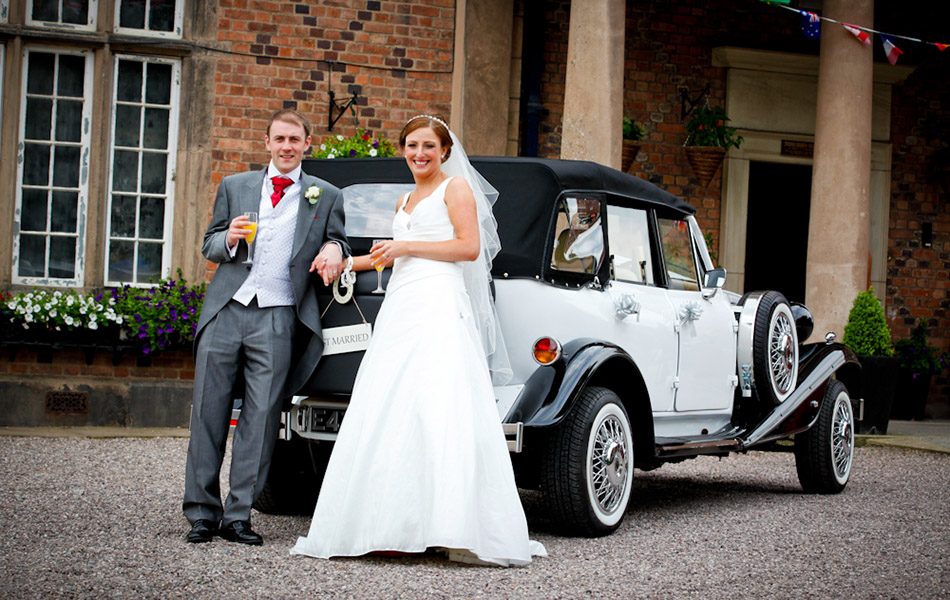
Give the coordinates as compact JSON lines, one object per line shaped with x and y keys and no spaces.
{"x":528,"y":189}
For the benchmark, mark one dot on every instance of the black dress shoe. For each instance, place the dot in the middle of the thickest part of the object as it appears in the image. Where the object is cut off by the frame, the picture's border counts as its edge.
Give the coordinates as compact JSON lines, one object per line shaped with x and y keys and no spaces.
{"x":240,"y":532}
{"x":202,"y":530}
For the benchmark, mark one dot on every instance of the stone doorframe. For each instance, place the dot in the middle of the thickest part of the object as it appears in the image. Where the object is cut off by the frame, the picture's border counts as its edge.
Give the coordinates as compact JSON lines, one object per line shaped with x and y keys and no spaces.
{"x":767,"y":147}
{"x":771,"y":97}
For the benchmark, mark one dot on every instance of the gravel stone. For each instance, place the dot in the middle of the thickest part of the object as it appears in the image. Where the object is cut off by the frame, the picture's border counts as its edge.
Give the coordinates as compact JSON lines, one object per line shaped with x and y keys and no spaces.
{"x":101,"y":518}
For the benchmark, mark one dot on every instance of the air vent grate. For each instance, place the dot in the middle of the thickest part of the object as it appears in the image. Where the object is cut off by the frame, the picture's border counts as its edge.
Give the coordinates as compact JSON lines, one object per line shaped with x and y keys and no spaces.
{"x":72,"y":403}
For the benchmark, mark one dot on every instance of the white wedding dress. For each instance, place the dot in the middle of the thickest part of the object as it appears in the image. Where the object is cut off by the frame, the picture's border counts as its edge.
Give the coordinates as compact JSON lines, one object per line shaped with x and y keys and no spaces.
{"x":421,"y":459}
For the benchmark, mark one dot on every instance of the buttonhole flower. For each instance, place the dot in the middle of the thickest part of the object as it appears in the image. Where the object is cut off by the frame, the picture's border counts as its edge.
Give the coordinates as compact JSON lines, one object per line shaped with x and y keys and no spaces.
{"x":313,"y":194}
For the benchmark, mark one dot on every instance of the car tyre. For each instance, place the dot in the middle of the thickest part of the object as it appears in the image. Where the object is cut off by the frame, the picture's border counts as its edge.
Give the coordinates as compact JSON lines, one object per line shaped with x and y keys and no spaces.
{"x":824,"y":453}
{"x":587,"y":472}
{"x":292,"y":484}
{"x":774,"y":349}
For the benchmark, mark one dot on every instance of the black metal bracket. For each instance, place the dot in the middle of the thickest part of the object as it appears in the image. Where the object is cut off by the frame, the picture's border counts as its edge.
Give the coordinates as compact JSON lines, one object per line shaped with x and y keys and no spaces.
{"x":692,"y":102}
{"x":337,"y":109}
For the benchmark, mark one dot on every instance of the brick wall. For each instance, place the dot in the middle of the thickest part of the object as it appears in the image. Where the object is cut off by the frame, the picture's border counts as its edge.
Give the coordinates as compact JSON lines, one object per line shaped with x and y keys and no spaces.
{"x":398,"y":55}
{"x":554,"y":77}
{"x":71,"y":362}
{"x":918,"y":277}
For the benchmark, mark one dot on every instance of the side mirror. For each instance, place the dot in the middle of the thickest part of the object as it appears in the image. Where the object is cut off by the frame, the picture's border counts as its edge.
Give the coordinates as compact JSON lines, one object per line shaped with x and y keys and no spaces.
{"x":715,"y":279}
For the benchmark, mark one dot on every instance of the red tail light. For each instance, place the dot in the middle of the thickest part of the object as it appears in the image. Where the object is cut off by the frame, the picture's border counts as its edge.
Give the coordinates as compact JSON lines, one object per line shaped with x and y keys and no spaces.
{"x":546,"y":351}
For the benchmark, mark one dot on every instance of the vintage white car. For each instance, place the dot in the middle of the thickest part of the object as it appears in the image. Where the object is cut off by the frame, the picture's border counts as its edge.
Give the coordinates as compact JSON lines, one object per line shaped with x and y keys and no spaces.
{"x":626,"y":350}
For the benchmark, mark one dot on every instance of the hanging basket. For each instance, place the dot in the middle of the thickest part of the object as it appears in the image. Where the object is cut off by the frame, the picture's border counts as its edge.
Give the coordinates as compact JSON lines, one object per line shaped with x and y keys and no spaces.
{"x":630,"y":150}
{"x":705,"y":161}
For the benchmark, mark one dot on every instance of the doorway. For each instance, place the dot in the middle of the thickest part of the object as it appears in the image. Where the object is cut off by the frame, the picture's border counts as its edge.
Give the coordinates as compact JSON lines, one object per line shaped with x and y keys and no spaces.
{"x":777,"y":228}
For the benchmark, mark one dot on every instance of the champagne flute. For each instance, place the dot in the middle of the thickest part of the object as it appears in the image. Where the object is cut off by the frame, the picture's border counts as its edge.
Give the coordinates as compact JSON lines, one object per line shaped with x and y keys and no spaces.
{"x":379,"y":271}
{"x":252,"y":225}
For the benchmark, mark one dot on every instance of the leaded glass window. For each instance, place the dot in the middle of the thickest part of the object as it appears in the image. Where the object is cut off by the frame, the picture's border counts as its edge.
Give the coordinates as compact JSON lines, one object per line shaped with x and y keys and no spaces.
{"x":52,"y":168}
{"x":142,"y":168}
{"x":77,"y":14}
{"x":162,"y":18}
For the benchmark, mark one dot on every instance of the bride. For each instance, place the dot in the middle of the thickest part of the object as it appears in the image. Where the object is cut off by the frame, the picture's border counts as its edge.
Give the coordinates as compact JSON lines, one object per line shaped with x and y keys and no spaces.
{"x":421,"y":460}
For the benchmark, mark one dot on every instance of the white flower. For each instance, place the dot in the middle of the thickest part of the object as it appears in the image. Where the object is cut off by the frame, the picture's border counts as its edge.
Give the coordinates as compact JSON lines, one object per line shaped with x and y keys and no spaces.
{"x":70,"y":301}
{"x":53,"y":313}
{"x":57,"y":293}
{"x":331,"y":155}
{"x":339,"y":137}
{"x":313,"y":193}
{"x":92,"y":318}
{"x":323,"y":146}
{"x":372,"y":152}
{"x":118,"y":319}
{"x":82,"y":310}
{"x":11,"y":305}
{"x":69,"y":320}
{"x":92,"y":325}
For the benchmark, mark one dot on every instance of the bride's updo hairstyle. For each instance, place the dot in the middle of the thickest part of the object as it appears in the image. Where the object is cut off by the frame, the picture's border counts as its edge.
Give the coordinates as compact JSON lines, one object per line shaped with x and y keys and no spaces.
{"x":436,"y":124}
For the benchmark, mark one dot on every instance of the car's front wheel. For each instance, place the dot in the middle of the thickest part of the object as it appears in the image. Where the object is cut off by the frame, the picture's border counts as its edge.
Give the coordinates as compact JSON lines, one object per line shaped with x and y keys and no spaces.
{"x":824,"y":453}
{"x":588,"y":470}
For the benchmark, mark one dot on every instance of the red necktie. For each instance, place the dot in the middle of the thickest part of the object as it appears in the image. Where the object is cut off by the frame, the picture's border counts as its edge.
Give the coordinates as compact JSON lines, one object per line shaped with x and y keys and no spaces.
{"x":279,"y":184}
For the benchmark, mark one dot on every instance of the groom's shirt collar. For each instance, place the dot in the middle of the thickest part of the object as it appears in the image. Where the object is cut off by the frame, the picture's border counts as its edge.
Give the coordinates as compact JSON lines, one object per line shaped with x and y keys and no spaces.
{"x":272,"y":171}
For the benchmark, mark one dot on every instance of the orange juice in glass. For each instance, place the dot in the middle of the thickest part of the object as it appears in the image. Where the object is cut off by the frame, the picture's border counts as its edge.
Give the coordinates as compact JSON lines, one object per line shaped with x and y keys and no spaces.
{"x":252,"y":226}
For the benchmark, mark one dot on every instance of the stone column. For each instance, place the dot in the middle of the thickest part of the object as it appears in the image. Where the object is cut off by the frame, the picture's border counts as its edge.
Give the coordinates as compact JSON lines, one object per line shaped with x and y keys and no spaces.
{"x":593,"y":98}
{"x":839,"y":225}
{"x":481,"y":82}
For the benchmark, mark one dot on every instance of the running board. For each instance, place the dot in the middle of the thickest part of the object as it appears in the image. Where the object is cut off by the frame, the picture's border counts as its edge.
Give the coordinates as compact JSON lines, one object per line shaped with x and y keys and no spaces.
{"x":669,"y":447}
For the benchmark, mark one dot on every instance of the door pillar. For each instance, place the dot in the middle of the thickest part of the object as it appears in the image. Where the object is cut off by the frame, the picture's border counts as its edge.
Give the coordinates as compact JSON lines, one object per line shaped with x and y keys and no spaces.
{"x":839,"y":228}
{"x":593,"y":98}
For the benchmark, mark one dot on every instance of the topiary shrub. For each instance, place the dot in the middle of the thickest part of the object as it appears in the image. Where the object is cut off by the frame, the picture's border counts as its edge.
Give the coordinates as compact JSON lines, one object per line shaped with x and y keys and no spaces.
{"x":866,"y":331}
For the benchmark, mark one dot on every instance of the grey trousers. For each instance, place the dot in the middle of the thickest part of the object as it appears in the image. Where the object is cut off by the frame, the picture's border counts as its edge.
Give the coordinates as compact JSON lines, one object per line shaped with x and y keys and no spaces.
{"x":258,"y":340}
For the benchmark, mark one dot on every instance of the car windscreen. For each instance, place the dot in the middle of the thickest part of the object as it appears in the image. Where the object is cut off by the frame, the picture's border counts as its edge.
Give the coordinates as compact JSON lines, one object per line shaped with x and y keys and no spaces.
{"x":370,"y":207}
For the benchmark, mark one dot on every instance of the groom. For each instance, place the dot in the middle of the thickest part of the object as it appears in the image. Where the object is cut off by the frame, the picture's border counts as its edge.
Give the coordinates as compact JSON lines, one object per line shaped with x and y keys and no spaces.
{"x":250,"y":317}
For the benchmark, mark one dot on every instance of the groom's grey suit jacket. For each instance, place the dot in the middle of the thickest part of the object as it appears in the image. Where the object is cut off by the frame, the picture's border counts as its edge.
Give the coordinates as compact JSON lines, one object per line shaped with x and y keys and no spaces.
{"x":316,"y":224}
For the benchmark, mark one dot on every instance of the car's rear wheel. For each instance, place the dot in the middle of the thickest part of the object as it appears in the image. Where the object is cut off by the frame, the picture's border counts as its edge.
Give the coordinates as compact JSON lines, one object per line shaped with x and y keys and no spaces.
{"x":774,"y":349}
{"x":293,"y":482}
{"x":587,"y":472}
{"x":824,"y":453}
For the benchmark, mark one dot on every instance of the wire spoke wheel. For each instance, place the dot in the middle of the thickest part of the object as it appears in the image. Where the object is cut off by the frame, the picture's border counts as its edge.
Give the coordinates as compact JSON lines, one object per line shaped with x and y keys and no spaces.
{"x":774,"y":350}
{"x":824,"y":454}
{"x":587,"y":474}
{"x":609,"y":464}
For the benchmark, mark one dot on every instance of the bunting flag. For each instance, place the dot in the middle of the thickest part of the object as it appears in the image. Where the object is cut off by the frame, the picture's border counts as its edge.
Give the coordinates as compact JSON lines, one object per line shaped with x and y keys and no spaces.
{"x":811,"y":27}
{"x":859,"y":33}
{"x":811,"y":24}
{"x":890,"y":50}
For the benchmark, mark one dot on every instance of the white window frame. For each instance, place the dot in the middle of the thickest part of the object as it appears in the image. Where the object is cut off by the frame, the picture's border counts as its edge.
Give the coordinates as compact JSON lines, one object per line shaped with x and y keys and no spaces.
{"x":89,"y":26}
{"x":83,"y":200}
{"x":146,"y":32}
{"x":4,"y":11}
{"x":170,"y":169}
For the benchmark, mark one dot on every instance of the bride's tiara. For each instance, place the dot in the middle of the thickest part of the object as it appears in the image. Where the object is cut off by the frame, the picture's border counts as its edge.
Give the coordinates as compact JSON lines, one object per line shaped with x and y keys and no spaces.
{"x":436,"y":119}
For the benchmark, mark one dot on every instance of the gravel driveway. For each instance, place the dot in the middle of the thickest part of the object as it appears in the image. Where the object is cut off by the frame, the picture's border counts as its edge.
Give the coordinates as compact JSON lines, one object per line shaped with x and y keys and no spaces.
{"x":101,"y":518}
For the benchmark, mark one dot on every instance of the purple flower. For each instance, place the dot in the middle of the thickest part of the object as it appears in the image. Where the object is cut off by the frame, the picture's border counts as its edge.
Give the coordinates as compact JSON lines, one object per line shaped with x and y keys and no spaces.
{"x":353,"y":152}
{"x":375,"y":143}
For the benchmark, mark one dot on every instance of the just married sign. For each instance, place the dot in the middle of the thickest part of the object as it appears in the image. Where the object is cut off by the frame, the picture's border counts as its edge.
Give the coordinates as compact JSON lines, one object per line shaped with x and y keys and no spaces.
{"x":348,"y":338}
